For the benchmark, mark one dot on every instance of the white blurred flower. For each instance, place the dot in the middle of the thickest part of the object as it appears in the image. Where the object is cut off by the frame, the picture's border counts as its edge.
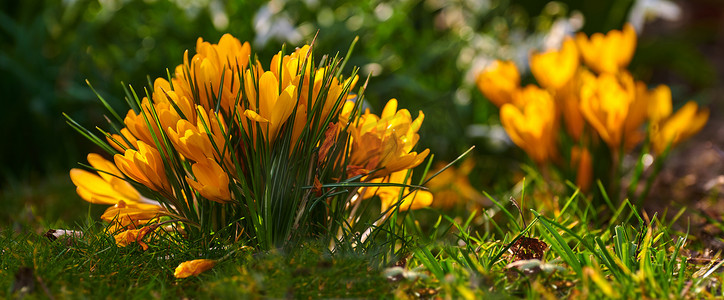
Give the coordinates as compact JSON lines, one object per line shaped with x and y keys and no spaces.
{"x":562,"y":28}
{"x":647,"y":10}
{"x":272,"y":22}
{"x":218,"y":15}
{"x":413,"y":274}
{"x":484,"y":49}
{"x":531,"y":264}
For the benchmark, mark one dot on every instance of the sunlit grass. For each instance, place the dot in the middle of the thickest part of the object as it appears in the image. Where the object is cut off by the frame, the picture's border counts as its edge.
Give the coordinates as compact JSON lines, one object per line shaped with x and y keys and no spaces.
{"x":627,"y":254}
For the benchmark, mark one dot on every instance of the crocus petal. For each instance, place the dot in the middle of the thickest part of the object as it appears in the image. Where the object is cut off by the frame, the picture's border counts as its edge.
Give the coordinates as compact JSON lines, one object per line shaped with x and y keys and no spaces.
{"x":193,"y":267}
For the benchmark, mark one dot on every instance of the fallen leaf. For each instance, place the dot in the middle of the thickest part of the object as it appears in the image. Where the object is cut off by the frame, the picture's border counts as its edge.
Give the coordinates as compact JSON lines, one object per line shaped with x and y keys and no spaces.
{"x":527,"y":248}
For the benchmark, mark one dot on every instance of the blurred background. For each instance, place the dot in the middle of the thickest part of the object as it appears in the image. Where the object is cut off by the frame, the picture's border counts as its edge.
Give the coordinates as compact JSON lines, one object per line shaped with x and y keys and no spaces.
{"x":425,"y":53}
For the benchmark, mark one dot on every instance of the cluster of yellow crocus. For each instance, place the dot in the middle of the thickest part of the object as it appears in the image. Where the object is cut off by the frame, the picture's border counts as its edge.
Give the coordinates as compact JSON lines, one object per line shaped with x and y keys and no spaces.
{"x":184,"y":111}
{"x":182,"y":143}
{"x":584,"y":85}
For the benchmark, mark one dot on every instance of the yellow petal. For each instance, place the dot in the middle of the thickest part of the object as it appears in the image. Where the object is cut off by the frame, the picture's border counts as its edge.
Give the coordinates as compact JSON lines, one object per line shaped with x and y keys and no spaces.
{"x":268,"y":93}
{"x":390,"y":109}
{"x":212,"y":182}
{"x":105,"y":165}
{"x":281,"y":110}
{"x":660,"y":106}
{"x":498,"y":82}
{"x":252,"y":115}
{"x":510,"y":117}
{"x":92,"y":184}
{"x":687,"y":121}
{"x":553,"y":69}
{"x":193,"y":267}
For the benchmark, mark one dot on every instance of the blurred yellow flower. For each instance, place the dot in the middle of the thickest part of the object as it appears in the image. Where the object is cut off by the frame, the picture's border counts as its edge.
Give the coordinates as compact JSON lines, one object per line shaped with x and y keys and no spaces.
{"x":498,"y":82}
{"x":638,"y":112}
{"x":145,"y":167}
{"x":452,"y":186}
{"x":390,"y":196}
{"x":683,"y":124}
{"x":608,"y":53}
{"x":659,"y":103}
{"x":605,"y":102}
{"x":568,"y":100}
{"x":386,"y":142}
{"x":582,"y":161}
{"x":211,"y":182}
{"x":534,"y":128}
{"x":193,"y":267}
{"x":553,"y":69}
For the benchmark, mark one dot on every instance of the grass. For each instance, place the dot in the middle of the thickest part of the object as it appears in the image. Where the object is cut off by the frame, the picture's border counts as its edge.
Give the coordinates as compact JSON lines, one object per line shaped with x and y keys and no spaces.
{"x":93,"y":267}
{"x":591,"y":252}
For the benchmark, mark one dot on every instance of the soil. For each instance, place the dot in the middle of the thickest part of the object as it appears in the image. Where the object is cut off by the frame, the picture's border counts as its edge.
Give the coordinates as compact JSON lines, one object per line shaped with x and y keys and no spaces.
{"x":693,"y":176}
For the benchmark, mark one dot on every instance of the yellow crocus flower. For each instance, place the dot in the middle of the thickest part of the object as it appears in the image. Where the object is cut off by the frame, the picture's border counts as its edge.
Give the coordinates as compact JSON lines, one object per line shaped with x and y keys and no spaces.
{"x":288,"y":70}
{"x":193,"y":267}
{"x":211,"y":182}
{"x":608,"y":53}
{"x":108,"y":187}
{"x":452,"y":186}
{"x":211,"y":62}
{"x":145,"y":166}
{"x":390,"y":196}
{"x":568,"y":100}
{"x":553,"y":69}
{"x":660,"y":106}
{"x":130,"y":236}
{"x":193,"y":141}
{"x":136,"y":123}
{"x":190,"y":142}
{"x":274,"y":108}
{"x":498,"y":82}
{"x":532,"y":128}
{"x":605,"y":102}
{"x":132,"y":215}
{"x":582,"y":160}
{"x":129,"y":209}
{"x":386,"y":142}
{"x":118,"y":141}
{"x":683,"y":124}
{"x":162,"y":93}
{"x":637,"y":116}
{"x":163,"y":97}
